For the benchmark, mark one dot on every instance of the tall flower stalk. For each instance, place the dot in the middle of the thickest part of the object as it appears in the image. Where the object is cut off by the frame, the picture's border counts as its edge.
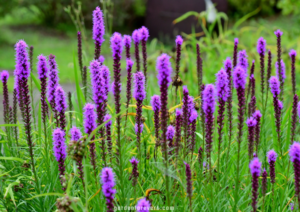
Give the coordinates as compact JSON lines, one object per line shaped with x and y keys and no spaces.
{"x":136,"y":37}
{"x":170,"y":135}
{"x":31,"y":88}
{"x":79,"y":53}
{"x":257,"y":116}
{"x":60,"y":152}
{"x":98,"y":31}
{"x":222,"y":89}
{"x":271,"y":160}
{"x":239,"y":81}
{"x":164,"y":69}
{"x":294,"y":117}
{"x":295,"y":159}
{"x":127,"y":44}
{"x":52,"y":85}
{"x":192,"y":131}
{"x":280,"y":73}
{"x":77,"y":148}
{"x":189,"y":185}
{"x":251,"y":123}
{"x":129,"y":64}
{"x":108,"y":183}
{"x":70,"y":106}
{"x":4,"y":77}
{"x":269,"y":70}
{"x":264,"y":184}
{"x":61,"y":106}
{"x":177,"y":81}
{"x":22,"y":73}
{"x":236,"y":42}
{"x":255,"y":167}
{"x":278,"y":34}
{"x":293,"y":54}
{"x":275,"y":90}
{"x":144,"y":35}
{"x":43,"y":75}
{"x":90,"y":118}
{"x":156,"y":106}
{"x":15,"y":118}
{"x":139,"y":94}
{"x":107,"y":119}
{"x":261,"y":49}
{"x":199,"y":70}
{"x":178,"y":124}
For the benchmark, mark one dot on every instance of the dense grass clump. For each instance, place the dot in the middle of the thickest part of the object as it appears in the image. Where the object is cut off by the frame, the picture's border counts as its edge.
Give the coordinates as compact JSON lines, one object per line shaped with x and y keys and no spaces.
{"x":218,"y":144}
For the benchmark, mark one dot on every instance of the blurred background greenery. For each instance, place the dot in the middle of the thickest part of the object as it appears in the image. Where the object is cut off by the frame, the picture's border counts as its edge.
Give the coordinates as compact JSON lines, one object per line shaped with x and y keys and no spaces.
{"x":51,"y":26}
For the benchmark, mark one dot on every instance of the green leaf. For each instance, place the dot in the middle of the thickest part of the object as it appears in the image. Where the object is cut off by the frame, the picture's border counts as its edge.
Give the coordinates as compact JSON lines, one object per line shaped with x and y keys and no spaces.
{"x":245,"y":18}
{"x":80,"y":96}
{"x":12,"y":158}
{"x":10,"y":125}
{"x":185,"y":16}
{"x":46,"y":194}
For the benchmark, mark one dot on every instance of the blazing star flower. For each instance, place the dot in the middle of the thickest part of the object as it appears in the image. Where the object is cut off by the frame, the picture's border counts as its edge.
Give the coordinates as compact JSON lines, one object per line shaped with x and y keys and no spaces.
{"x":60,"y":100}
{"x":251,"y":123}
{"x":127,"y":44}
{"x":242,"y":60}
{"x":293,"y":54}
{"x":136,"y":36}
{"x":261,"y":46}
{"x":53,"y":80}
{"x":278,"y":33}
{"x":280,"y":72}
{"x":156,"y":105}
{"x":155,"y":102}
{"x":22,"y":60}
{"x":255,"y":167}
{"x":116,"y":45}
{"x":164,"y":68}
{"x":295,"y":158}
{"x":106,"y":118}
{"x":139,"y":92}
{"x":143,"y":205}
{"x":222,"y":87}
{"x":108,"y":183}
{"x":90,"y":118}
{"x":275,"y":86}
{"x":178,"y":124}
{"x":135,"y":173}
{"x":144,"y":33}
{"x":59,"y":149}
{"x":272,"y":155}
{"x":236,"y":42}
{"x":239,"y":77}
{"x":178,"y":40}
{"x":170,"y":132}
{"x":98,"y":26}
{"x":137,"y":131}
{"x":75,"y":133}
{"x":209,"y":102}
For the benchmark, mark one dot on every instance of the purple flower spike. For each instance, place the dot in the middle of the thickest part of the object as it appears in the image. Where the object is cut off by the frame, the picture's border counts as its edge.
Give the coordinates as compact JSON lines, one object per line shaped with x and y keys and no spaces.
{"x":209,"y":102}
{"x":274,"y":86}
{"x":144,"y":33}
{"x":22,"y":60}
{"x":239,"y":77}
{"x":280,"y":104}
{"x":192,"y":131}
{"x":116,"y":44}
{"x":43,"y":74}
{"x":255,"y":167}
{"x":243,"y":60}
{"x":143,"y":205}
{"x":251,"y":123}
{"x":129,"y":64}
{"x":156,"y":105}
{"x":280,"y":73}
{"x":139,"y":92}
{"x":59,"y":149}
{"x":208,"y":109}
{"x":127,"y":44}
{"x":295,"y":158}
{"x":136,"y":37}
{"x":272,"y":155}
{"x":264,"y":182}
{"x":189,"y":185}
{"x":98,"y":30}
{"x":135,"y":173}
{"x":222,"y":87}
{"x":61,"y":106}
{"x":90,"y":118}
{"x":101,"y":59}
{"x":293,"y":54}
{"x":294,"y":117}
{"x":4,"y":77}
{"x":108,"y":133}
{"x":75,"y":133}
{"x":164,"y":68}
{"x":138,"y":129}
{"x":53,"y":80}
{"x":170,"y":135}
{"x":261,"y":46}
{"x":278,"y":33}
{"x":257,"y":115}
{"x":108,"y":182}
{"x":178,"y":40}
{"x":178,"y":115}
{"x":236,"y":42}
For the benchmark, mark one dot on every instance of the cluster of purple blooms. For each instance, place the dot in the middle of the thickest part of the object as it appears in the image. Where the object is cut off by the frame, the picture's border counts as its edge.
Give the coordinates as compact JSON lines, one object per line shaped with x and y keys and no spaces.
{"x":169,"y":137}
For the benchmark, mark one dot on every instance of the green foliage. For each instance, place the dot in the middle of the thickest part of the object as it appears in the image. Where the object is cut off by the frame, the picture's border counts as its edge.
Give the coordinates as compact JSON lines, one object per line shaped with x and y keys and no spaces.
{"x":289,"y":7}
